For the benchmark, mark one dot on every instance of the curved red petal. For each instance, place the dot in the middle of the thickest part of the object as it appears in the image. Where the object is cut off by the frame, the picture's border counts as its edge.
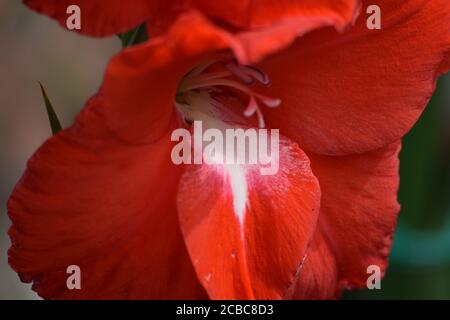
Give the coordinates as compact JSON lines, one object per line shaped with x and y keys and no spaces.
{"x":98,"y":17}
{"x":357,"y":219}
{"x":363,"y":89}
{"x":445,"y":66}
{"x":89,"y":199}
{"x":247,"y":233}
{"x":251,"y":14}
{"x":262,"y":13}
{"x":141,"y":82}
{"x":318,"y":277}
{"x":263,"y":27}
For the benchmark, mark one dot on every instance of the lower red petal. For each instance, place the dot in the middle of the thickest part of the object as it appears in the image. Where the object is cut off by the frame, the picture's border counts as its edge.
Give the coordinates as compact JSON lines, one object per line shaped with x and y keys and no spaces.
{"x":247,"y":233}
{"x":89,"y":199}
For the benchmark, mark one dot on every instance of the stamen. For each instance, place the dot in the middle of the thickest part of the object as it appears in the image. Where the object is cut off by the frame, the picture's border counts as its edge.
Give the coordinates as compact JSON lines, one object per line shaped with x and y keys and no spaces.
{"x":258,"y":75}
{"x":200,"y":68}
{"x":269,"y":102}
{"x":203,"y":78}
{"x":253,"y":108}
{"x":248,"y":73}
{"x":240,"y":73}
{"x":197,"y":80}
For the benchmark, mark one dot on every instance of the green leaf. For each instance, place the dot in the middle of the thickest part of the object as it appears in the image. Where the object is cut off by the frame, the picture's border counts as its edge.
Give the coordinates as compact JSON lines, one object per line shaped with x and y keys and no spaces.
{"x":52,"y":117}
{"x":134,"y":36}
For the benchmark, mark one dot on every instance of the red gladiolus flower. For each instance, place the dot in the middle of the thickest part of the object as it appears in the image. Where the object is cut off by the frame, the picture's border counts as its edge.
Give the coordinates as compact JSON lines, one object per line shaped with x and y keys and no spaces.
{"x":104,"y":194}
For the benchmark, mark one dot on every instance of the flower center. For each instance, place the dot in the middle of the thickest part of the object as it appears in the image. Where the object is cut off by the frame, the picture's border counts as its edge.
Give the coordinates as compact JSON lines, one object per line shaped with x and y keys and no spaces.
{"x":197,"y":90}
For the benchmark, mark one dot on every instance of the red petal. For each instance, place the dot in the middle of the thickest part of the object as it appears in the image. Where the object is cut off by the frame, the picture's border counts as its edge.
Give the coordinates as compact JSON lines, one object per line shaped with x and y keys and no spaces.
{"x":356,"y":223}
{"x":88,"y":199}
{"x":261,"y":13}
{"x":358,"y":91}
{"x":98,"y":17}
{"x":265,"y":26}
{"x":318,"y":277}
{"x":247,"y":233}
{"x":445,"y":67}
{"x":141,"y":82}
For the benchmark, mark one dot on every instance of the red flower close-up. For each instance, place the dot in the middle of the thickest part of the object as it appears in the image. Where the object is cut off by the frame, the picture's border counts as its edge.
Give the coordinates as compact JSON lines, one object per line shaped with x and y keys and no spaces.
{"x":106,"y":195}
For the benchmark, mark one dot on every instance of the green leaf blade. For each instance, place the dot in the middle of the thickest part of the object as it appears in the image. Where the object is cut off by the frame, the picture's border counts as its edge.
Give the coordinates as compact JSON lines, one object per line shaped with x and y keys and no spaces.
{"x":55,"y":124}
{"x":134,"y":36}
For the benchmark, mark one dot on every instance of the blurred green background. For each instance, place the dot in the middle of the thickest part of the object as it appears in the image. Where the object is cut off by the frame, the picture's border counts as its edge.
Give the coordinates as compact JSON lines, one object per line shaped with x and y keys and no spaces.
{"x":33,"y":48}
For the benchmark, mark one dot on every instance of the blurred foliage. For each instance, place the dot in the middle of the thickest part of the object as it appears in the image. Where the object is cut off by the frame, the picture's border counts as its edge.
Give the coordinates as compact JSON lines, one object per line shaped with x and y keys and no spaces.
{"x":420,"y":258}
